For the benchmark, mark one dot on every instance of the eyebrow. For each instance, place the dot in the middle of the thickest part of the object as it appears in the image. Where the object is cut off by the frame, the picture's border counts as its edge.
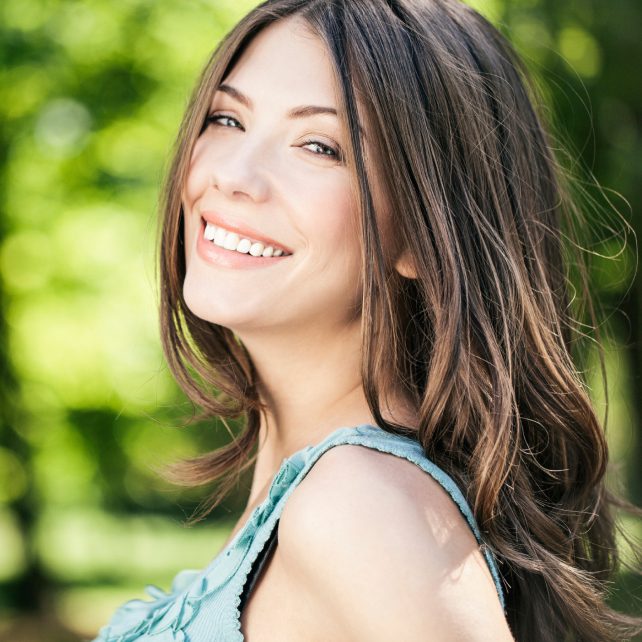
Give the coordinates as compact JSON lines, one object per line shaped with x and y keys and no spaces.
{"x":297,"y":112}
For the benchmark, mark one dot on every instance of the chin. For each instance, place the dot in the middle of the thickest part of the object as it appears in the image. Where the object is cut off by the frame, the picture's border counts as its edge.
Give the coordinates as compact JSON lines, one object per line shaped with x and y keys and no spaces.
{"x":225,"y":307}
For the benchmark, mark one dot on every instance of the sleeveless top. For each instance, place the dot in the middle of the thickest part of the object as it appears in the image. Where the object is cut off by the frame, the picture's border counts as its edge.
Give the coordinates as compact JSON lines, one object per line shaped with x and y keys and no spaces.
{"x":205,"y":606}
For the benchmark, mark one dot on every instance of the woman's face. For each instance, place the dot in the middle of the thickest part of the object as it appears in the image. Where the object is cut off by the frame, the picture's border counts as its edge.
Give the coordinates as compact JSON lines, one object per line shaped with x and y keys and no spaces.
{"x":267,"y":171}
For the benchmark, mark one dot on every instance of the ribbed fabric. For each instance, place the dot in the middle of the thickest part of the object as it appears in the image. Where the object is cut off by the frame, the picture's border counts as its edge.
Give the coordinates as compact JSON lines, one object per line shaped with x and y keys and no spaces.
{"x":203,"y":606}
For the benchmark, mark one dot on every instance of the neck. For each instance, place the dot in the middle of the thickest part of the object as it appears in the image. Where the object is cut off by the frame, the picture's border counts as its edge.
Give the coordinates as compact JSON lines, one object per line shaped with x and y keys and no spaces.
{"x":311,"y":383}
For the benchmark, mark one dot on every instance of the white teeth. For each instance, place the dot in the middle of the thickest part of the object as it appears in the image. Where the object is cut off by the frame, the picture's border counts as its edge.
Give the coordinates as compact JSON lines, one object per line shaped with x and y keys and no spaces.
{"x":210,"y":230}
{"x":244,"y":246}
{"x":256,"y":249}
{"x":219,"y":237}
{"x":232,"y":241}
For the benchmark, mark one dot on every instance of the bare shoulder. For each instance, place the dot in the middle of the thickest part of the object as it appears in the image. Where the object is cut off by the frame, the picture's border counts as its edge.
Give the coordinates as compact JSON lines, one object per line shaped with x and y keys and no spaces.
{"x":381,"y":545}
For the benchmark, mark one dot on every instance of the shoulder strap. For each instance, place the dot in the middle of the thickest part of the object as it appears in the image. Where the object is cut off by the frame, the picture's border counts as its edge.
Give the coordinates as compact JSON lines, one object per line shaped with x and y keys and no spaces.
{"x":410,"y":449}
{"x":257,"y":567}
{"x":293,"y":469}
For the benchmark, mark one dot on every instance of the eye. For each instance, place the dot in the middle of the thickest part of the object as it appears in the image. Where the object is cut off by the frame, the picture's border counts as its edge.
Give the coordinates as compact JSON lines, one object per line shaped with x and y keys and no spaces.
{"x":326,"y":150}
{"x":216,"y":117}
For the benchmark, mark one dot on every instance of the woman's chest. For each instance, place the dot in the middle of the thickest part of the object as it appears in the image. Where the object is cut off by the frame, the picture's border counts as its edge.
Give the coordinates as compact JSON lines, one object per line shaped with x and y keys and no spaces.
{"x":279,"y":609}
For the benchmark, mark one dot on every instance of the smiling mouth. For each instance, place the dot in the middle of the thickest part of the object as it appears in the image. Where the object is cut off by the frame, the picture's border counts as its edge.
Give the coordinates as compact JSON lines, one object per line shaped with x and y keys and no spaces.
{"x":234,"y":242}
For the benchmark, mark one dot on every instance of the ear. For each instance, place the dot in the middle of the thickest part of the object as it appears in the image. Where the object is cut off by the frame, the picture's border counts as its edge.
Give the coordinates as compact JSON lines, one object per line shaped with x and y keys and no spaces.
{"x":405,"y":265}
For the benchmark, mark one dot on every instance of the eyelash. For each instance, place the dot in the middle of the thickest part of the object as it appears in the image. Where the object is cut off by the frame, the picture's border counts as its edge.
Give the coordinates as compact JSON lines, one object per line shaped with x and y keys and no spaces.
{"x":336,"y":153}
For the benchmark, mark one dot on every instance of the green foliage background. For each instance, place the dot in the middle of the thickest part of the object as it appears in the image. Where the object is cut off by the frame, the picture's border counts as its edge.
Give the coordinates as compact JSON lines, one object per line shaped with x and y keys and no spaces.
{"x":91,"y":94}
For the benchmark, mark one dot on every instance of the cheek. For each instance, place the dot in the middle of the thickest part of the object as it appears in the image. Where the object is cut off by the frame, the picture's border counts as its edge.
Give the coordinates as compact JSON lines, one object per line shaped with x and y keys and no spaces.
{"x":197,"y":176}
{"x":333,"y":221}
{"x":350,"y":230}
{"x":335,"y":244}
{"x":196,"y":183}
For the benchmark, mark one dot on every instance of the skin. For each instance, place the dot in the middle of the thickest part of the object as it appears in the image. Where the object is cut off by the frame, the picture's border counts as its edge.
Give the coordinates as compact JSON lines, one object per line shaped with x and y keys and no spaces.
{"x":299,"y":321}
{"x":297,"y":318}
{"x":376,"y":550}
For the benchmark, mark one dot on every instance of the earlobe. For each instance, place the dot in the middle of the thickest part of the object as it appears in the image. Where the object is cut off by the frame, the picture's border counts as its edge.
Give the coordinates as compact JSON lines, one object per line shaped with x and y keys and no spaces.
{"x":405,"y":265}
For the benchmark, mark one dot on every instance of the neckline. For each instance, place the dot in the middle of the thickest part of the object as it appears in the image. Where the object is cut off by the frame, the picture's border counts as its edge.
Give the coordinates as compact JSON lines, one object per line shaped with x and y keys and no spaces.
{"x":326,"y":439}
{"x":284,"y":464}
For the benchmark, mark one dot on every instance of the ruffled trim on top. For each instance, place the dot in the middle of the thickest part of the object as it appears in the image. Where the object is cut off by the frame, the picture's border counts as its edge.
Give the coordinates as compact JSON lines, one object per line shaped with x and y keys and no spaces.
{"x":167,"y":616}
{"x":290,"y":469}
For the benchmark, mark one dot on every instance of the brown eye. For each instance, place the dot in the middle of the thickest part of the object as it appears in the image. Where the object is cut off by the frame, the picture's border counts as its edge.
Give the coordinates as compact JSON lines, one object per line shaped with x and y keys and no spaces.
{"x":326,"y":150}
{"x":215,"y":118}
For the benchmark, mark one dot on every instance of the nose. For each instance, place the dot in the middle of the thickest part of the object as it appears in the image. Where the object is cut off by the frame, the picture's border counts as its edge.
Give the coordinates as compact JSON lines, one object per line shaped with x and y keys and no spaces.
{"x":240,"y":173}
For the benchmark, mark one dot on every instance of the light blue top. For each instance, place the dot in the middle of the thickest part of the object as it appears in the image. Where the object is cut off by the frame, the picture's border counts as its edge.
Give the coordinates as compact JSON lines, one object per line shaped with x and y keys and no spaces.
{"x":203,"y":606}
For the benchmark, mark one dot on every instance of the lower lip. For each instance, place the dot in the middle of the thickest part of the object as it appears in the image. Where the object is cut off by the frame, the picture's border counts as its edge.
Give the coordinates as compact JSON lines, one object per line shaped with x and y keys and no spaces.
{"x":231,"y":258}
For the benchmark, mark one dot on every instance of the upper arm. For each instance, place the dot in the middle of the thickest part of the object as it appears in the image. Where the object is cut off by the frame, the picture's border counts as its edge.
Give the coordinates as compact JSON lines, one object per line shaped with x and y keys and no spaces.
{"x":380,"y":545}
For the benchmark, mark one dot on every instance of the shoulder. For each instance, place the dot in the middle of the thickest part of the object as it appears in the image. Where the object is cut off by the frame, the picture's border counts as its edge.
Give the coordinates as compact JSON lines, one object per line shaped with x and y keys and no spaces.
{"x":377,"y":542}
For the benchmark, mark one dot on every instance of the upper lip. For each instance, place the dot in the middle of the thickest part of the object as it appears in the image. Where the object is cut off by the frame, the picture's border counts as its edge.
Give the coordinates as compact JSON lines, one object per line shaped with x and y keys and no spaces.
{"x":220,"y":220}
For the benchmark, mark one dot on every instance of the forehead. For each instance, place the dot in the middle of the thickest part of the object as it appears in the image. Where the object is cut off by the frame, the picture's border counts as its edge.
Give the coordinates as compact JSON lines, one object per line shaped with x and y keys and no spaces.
{"x":286,"y":64}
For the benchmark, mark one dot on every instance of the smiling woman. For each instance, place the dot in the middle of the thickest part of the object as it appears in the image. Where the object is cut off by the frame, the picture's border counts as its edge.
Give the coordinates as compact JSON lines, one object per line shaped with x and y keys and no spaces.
{"x":267,"y":168}
{"x":361,"y":254}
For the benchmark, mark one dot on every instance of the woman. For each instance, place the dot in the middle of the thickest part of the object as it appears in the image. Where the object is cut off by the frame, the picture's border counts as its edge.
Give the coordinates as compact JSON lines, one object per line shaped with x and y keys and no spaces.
{"x":361,"y":250}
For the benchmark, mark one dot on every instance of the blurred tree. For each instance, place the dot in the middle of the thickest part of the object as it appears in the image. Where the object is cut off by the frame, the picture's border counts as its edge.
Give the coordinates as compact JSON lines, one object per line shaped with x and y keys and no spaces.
{"x":92,"y":93}
{"x":25,"y":590}
{"x":587,"y":53}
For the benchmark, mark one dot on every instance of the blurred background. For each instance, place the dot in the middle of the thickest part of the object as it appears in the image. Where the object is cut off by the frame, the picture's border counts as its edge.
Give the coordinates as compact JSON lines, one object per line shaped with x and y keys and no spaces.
{"x":91,"y":95}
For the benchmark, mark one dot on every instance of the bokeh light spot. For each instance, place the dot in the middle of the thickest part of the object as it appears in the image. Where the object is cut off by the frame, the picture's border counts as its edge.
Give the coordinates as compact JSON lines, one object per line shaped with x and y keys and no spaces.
{"x":62,"y":127}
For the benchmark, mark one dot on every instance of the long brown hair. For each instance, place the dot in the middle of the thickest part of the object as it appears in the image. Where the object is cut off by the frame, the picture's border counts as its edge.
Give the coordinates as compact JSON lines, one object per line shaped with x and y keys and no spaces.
{"x":482,"y":339}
